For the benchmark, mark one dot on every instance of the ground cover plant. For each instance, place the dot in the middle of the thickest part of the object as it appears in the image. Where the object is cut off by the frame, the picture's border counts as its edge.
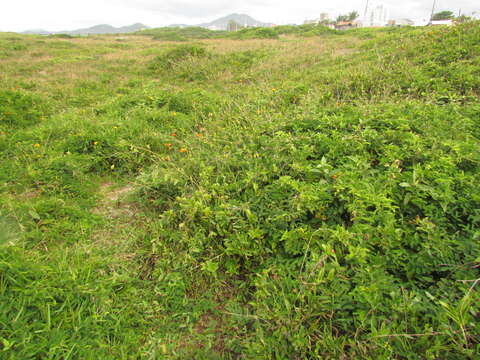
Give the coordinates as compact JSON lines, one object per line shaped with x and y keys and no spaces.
{"x":196,"y":33}
{"x":294,"y":193}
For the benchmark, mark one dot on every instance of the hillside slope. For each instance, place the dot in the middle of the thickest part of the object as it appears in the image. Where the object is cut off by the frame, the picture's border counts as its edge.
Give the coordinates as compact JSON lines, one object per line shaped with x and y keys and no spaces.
{"x":282,"y":198}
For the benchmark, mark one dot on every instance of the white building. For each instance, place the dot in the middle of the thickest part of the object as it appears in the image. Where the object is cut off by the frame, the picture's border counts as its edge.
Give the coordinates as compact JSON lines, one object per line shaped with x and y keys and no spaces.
{"x":404,"y":22}
{"x":421,"y":22}
{"x":324,"y":17}
{"x":376,"y":16}
{"x":441,"y":22}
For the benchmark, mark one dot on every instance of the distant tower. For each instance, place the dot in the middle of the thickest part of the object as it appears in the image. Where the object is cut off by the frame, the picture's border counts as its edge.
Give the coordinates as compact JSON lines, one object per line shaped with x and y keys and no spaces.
{"x":376,"y":16}
{"x":233,"y":26}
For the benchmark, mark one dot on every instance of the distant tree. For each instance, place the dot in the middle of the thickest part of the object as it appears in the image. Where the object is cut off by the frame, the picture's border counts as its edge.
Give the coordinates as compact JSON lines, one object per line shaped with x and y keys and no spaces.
{"x":348,"y":17}
{"x":353,"y":15}
{"x":463,"y":19}
{"x":443,"y":15}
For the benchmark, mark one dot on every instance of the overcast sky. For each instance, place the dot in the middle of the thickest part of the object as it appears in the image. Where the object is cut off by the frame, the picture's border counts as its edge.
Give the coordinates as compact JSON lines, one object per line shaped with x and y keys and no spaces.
{"x":56,"y":15}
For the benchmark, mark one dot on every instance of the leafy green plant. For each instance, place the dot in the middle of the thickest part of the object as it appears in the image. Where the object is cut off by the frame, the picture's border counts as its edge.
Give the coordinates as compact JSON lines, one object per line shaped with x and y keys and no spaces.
{"x":19,"y":110}
{"x":176,"y":55}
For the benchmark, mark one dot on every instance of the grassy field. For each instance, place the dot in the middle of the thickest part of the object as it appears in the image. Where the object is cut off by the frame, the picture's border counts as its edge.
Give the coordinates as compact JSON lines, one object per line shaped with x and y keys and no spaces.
{"x":302,"y":194}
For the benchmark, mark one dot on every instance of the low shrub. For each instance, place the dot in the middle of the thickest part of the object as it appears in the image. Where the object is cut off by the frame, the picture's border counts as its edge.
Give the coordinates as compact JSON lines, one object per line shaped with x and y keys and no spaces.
{"x":343,"y":216}
{"x":18,"y":109}
{"x":255,"y":33}
{"x":175,"y":56}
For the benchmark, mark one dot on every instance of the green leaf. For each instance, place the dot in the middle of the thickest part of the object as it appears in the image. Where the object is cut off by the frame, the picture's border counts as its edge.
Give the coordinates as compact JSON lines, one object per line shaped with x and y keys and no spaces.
{"x":34,"y":215}
{"x":210,"y":266}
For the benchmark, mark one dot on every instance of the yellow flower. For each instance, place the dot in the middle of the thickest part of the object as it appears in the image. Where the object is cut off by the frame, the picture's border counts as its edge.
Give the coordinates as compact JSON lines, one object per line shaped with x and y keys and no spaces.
{"x":95,"y":143}
{"x":183,"y":150}
{"x":37,"y":145}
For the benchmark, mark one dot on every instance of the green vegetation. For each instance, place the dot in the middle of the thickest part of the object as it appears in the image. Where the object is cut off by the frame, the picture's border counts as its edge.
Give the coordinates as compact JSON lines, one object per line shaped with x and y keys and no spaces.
{"x":311,"y":194}
{"x":181,"y":34}
{"x":443,"y":15}
{"x":348,"y":17}
{"x":196,"y":33}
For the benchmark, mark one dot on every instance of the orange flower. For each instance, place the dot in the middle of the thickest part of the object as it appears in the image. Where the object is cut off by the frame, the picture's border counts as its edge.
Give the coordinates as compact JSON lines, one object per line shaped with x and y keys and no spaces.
{"x":198,"y":135}
{"x":169,"y":145}
{"x":174,"y":133}
{"x":183,"y":150}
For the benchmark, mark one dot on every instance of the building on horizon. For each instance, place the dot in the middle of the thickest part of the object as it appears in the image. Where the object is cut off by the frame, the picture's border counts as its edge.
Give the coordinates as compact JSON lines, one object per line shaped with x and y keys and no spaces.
{"x":401,"y":22}
{"x":376,"y":16}
{"x":324,"y":19}
{"x":448,"y":22}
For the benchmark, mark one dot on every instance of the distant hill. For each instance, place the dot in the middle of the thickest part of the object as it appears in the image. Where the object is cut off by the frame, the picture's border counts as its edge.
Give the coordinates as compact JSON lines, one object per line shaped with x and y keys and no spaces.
{"x":242,"y":19}
{"x":107,"y":29}
{"x":94,"y":30}
{"x":221,"y":24}
{"x":218,"y":24}
{"x":37,"y":32}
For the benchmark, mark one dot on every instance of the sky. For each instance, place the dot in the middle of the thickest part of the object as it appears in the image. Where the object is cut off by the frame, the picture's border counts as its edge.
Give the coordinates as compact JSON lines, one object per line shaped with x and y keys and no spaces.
{"x":57,"y":15}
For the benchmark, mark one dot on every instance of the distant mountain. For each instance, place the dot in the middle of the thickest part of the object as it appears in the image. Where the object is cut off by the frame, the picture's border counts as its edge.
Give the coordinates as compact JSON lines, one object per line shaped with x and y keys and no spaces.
{"x":94,"y":30}
{"x":106,"y":29}
{"x":242,"y":19}
{"x":222,"y":23}
{"x":36,"y":32}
